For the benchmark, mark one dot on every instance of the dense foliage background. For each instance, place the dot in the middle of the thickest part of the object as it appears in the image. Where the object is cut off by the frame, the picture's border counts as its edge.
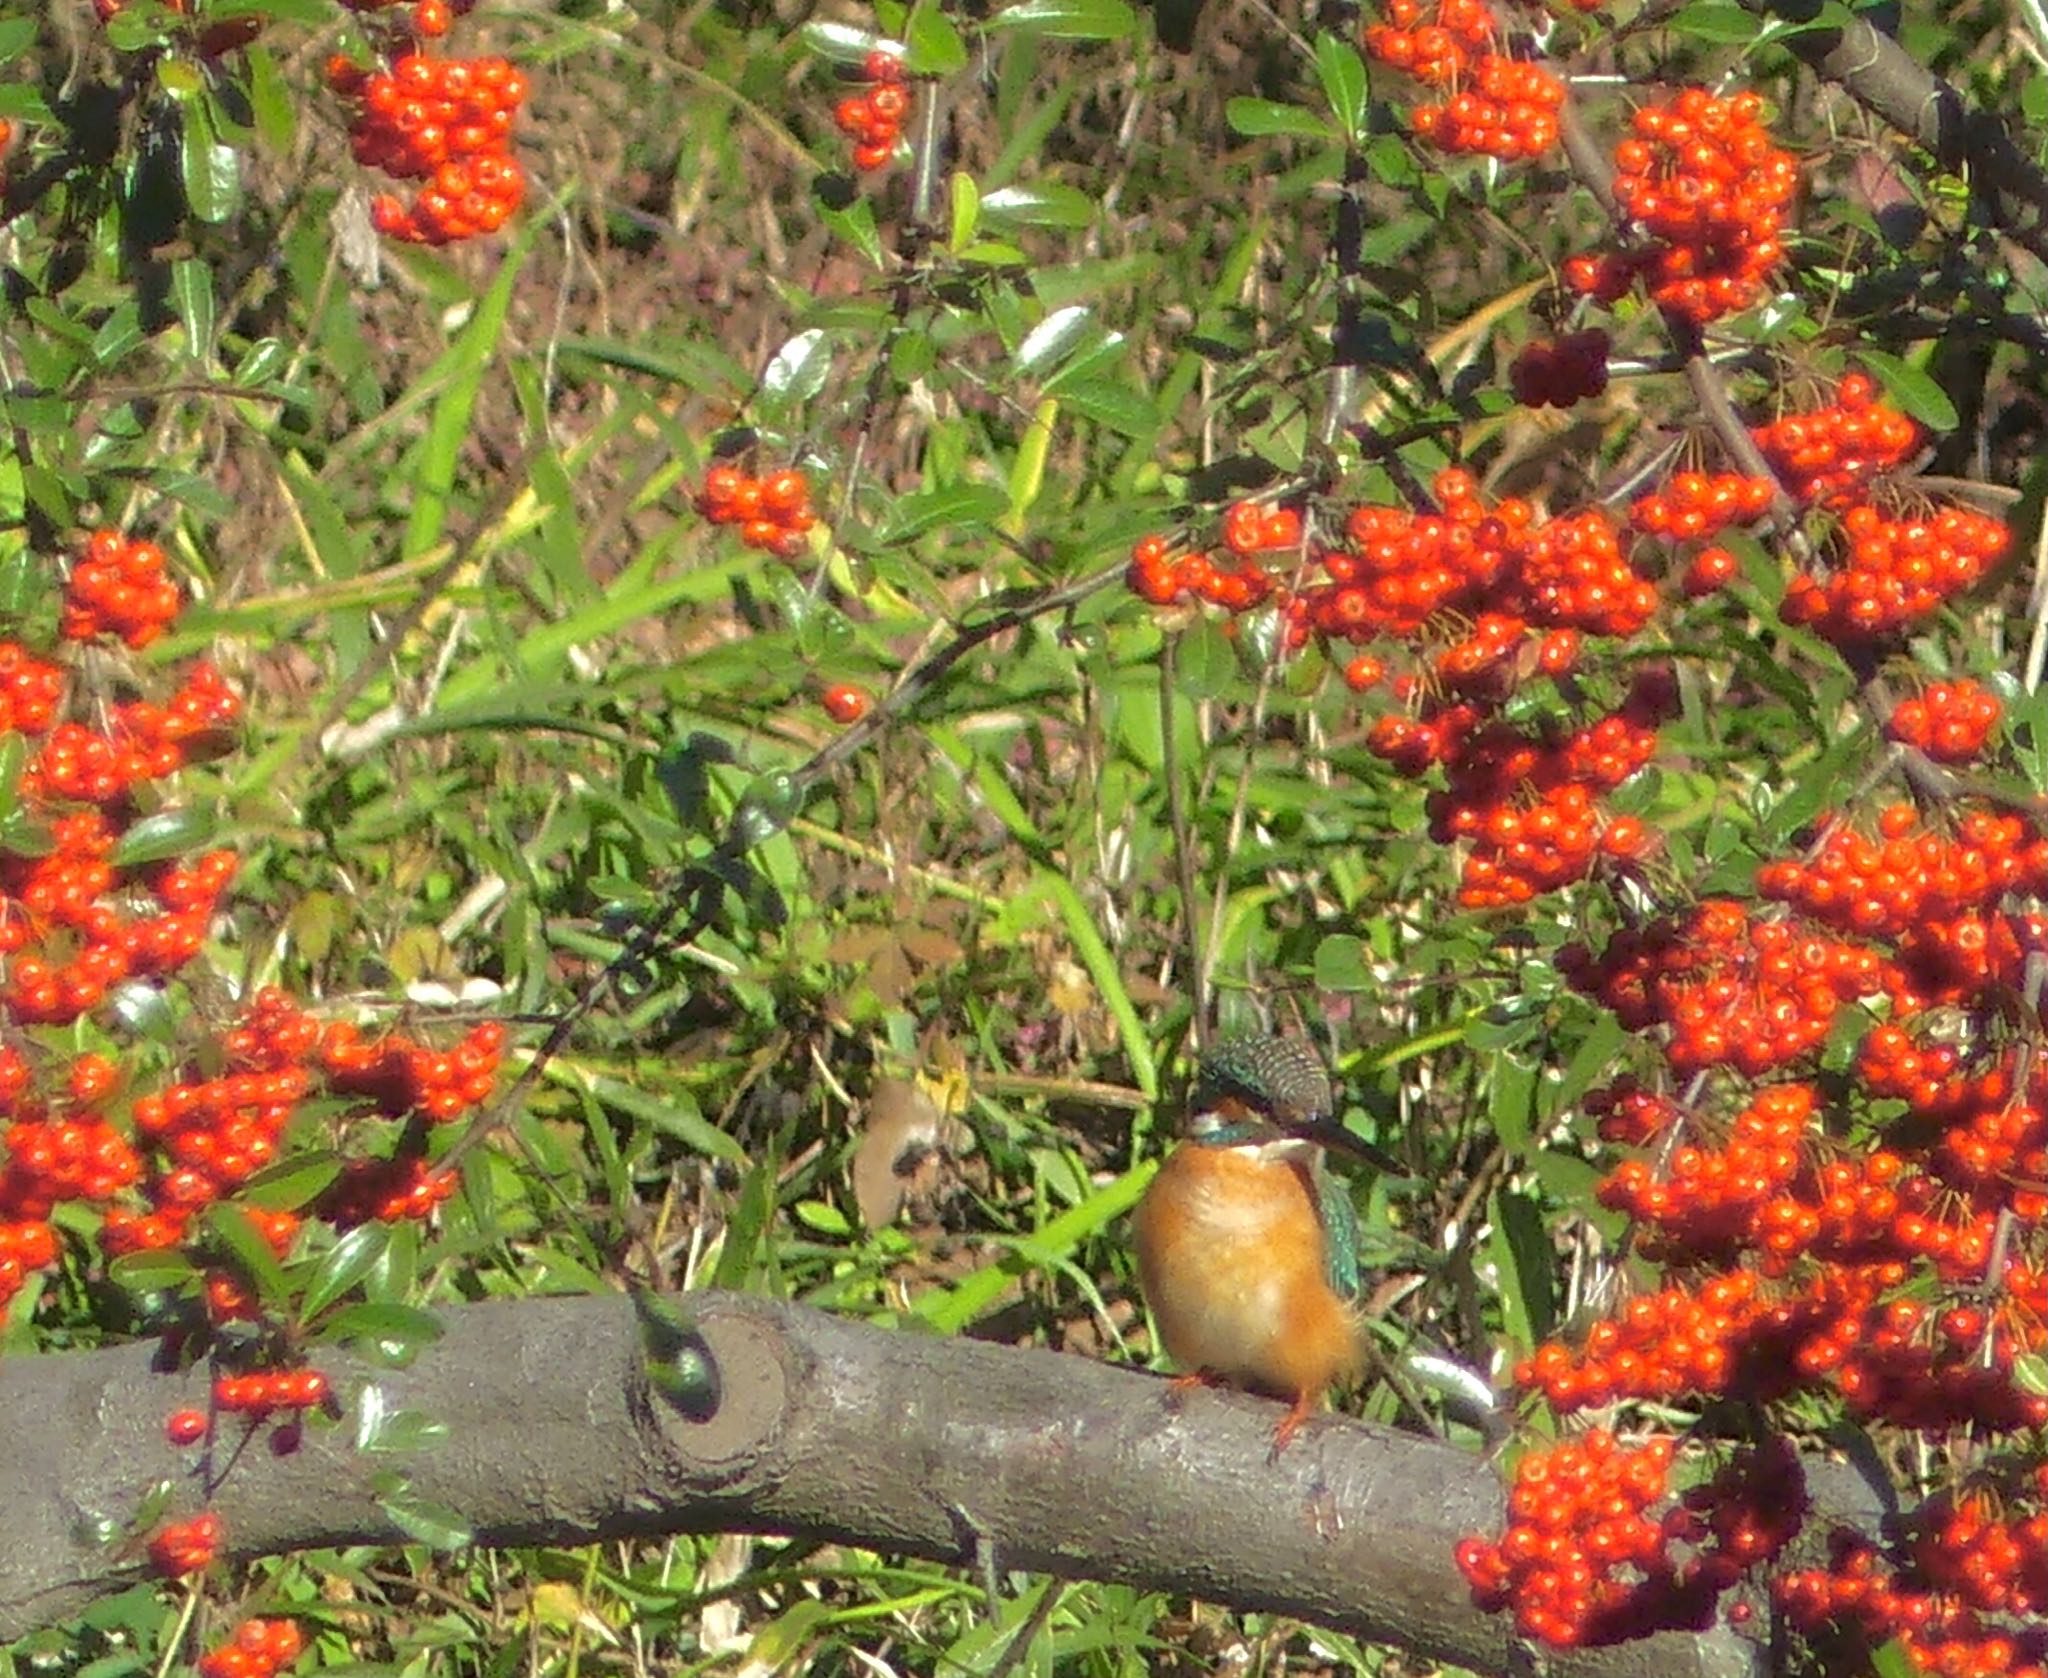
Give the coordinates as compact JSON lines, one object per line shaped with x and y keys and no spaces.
{"x":507,"y":694}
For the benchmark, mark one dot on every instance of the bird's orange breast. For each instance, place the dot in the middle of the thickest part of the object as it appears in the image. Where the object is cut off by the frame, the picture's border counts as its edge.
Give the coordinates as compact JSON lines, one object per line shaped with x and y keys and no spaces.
{"x":1231,"y":1258}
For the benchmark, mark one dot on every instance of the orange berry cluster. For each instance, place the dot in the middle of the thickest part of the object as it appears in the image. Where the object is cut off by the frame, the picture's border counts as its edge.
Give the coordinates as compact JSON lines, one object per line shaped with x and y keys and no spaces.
{"x":1909,"y":882}
{"x":1438,"y":48}
{"x":1728,"y":988}
{"x":73,"y":925}
{"x":773,"y":513}
{"x":385,"y":1191}
{"x":1495,"y":106}
{"x":118,"y":587}
{"x":404,"y":1078}
{"x":1891,"y":573}
{"x":1509,"y":111}
{"x":1828,"y":455}
{"x":1409,"y":576}
{"x":1702,"y":179}
{"x":874,"y":120}
{"x":1492,"y":595}
{"x":1585,"y":1560}
{"x":257,"y":1649}
{"x":1970,"y":1545}
{"x":1696,"y":507}
{"x":1940,"y":1630}
{"x":1528,"y":809}
{"x":444,"y":121}
{"x":261,"y":1391}
{"x":1949,"y":721}
{"x":181,"y":1547}
{"x":1580,"y":1545}
{"x":1557,"y":374}
{"x":425,"y":20}
{"x":213,"y":1135}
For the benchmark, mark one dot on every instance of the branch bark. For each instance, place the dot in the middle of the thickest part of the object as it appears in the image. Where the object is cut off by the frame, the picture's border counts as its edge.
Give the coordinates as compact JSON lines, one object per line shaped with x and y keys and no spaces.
{"x":1887,"y":81}
{"x":824,"y":1428}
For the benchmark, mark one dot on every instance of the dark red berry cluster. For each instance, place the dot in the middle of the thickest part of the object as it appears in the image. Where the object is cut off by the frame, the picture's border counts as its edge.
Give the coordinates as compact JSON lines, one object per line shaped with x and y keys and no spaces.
{"x":256,"y":1648}
{"x":873,"y":121}
{"x":1702,"y":179}
{"x":1949,"y":721}
{"x":444,"y":121}
{"x":1558,"y":373}
{"x":773,"y":513}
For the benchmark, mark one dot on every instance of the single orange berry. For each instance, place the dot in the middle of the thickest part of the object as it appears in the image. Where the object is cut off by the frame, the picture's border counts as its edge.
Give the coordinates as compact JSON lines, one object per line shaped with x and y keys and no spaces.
{"x":185,"y":1427}
{"x":846,"y":702}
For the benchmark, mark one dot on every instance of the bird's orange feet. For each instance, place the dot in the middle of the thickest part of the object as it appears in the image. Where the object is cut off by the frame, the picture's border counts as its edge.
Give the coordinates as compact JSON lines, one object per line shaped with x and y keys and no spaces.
{"x":1178,"y":1388}
{"x":1290,"y":1424}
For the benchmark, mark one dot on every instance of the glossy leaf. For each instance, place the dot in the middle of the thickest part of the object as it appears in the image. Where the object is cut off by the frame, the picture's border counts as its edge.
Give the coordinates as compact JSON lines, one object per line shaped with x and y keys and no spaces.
{"x":1070,"y":20}
{"x":1268,"y":116}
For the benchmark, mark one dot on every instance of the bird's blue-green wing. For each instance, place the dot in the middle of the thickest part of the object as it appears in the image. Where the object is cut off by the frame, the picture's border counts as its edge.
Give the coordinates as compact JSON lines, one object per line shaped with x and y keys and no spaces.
{"x":1340,"y":1233}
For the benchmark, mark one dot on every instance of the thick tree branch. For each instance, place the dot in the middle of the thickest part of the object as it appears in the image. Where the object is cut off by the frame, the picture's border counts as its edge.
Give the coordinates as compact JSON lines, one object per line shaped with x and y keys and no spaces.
{"x":821,"y":1427}
{"x":1890,"y":83}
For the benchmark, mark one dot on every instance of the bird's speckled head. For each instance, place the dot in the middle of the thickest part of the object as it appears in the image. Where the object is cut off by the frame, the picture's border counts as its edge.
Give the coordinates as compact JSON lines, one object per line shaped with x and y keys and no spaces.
{"x":1254,"y":1088}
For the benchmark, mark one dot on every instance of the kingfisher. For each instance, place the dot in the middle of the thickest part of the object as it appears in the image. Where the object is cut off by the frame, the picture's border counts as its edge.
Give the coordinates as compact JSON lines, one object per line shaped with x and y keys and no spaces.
{"x":1247,"y":1247}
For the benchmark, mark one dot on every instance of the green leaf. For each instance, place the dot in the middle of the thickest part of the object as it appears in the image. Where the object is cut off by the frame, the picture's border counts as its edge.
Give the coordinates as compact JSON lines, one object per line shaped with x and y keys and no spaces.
{"x":1719,"y":21}
{"x":292,"y":1183}
{"x":1205,"y":661}
{"x":229,"y":1225}
{"x":956,"y":508}
{"x":842,"y":43}
{"x":676,"y":1116}
{"x":1069,"y":20}
{"x":422,"y":1520}
{"x":747,"y":1225}
{"x":1269,"y":116}
{"x":15,"y":35}
{"x":966,"y":198}
{"x":1520,"y":1243}
{"x":1045,"y":205}
{"x":1109,"y":403}
{"x":152,"y":1272}
{"x":392,"y":1333}
{"x":192,"y":296}
{"x":283,"y":11}
{"x":932,"y":46}
{"x":342,"y":1266}
{"x":1912,"y":389}
{"x":855,"y":224}
{"x":271,"y":101}
{"x":457,"y":376}
{"x":1344,"y":963}
{"x":169,"y":833}
{"x":1342,"y":73}
{"x":798,"y":371}
{"x":380,"y":1428}
{"x":213,"y":178}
